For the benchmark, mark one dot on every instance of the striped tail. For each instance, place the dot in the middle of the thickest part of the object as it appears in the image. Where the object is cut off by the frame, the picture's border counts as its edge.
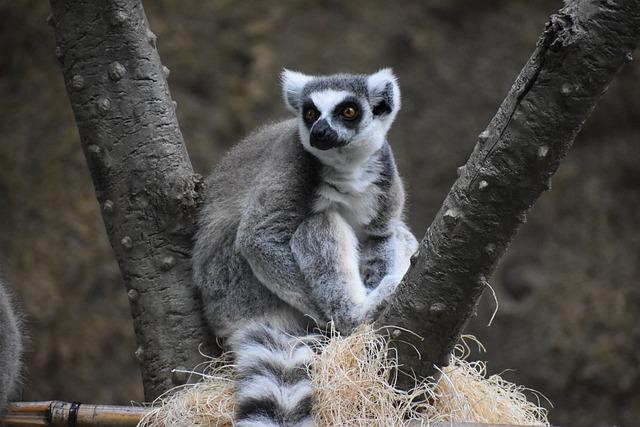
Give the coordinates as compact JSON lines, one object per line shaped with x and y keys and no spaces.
{"x":273,"y":387}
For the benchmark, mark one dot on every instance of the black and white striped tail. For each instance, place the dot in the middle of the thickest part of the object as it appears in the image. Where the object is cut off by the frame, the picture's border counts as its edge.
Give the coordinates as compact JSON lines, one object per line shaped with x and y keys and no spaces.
{"x":273,"y":387}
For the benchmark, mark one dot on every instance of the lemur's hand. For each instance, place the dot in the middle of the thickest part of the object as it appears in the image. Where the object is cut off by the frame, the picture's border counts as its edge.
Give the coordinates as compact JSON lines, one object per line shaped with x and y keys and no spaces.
{"x":372,"y":271}
{"x":379,"y":297}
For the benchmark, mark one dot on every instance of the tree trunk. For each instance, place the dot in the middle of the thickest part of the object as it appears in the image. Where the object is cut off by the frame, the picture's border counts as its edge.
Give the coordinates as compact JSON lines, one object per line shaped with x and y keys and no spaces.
{"x":582,"y":48}
{"x":141,"y":172}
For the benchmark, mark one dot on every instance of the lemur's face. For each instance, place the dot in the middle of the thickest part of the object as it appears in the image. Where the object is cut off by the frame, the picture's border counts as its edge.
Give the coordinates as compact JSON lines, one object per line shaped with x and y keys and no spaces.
{"x":344,"y":112}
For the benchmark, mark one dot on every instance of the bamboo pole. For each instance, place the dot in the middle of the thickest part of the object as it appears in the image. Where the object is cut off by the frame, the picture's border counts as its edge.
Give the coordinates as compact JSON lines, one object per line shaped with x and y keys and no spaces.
{"x":55,"y":413}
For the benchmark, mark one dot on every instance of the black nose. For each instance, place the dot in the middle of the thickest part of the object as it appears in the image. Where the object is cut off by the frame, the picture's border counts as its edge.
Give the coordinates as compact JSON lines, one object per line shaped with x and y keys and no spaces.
{"x":321,"y":130}
{"x":323,"y":137}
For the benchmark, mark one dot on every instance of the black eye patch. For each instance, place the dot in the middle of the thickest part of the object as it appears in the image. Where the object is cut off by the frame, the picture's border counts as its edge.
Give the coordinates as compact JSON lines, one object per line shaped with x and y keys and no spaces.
{"x":309,"y":113}
{"x":343,"y":112}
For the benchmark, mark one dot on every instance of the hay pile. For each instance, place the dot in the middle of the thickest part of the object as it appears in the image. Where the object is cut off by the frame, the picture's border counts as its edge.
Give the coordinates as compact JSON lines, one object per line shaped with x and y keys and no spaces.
{"x":351,"y":378}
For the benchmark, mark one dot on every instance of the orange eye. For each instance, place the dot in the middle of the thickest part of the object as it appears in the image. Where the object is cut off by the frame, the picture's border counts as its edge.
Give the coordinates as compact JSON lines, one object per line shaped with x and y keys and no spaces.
{"x":349,"y":113}
{"x":311,"y":115}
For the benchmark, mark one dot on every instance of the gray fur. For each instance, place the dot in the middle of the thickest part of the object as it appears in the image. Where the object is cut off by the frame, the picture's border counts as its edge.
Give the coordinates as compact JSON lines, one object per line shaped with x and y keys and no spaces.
{"x":289,"y":234}
{"x":10,"y":348}
{"x":354,"y":83}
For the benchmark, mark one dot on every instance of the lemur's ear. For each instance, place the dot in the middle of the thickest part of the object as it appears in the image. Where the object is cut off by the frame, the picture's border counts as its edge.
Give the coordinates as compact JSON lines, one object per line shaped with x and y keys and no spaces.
{"x":384,"y":94}
{"x":292,"y":85}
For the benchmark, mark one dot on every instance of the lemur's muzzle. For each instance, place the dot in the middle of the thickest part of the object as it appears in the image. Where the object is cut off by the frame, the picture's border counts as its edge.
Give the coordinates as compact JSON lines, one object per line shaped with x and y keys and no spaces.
{"x":323,"y":137}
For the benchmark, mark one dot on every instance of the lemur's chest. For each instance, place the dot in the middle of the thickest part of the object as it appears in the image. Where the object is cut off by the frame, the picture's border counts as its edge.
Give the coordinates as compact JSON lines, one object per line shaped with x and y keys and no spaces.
{"x":355,"y":194}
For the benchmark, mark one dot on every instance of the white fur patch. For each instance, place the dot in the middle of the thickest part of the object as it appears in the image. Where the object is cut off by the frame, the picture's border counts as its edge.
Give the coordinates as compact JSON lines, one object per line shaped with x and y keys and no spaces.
{"x":405,"y":246}
{"x":377,"y":83}
{"x":287,"y":397}
{"x":379,"y":79}
{"x":292,"y":396}
{"x":259,"y":386}
{"x":353,"y":193}
{"x":292,"y":84}
{"x":326,"y":100}
{"x":256,"y":354}
{"x":349,"y":257}
{"x":256,"y":422}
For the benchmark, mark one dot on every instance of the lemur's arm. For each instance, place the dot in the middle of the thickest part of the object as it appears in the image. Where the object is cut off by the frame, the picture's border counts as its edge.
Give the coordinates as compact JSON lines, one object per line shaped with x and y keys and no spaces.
{"x":263,"y":238}
{"x":326,"y":250}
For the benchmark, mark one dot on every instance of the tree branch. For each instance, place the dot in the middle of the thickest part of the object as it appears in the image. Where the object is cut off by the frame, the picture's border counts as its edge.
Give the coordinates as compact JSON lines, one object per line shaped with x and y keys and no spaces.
{"x":141,"y":173}
{"x":582,"y":48}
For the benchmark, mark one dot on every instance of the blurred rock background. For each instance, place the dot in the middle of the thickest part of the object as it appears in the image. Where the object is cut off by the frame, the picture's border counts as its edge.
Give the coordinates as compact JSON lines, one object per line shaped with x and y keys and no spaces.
{"x":568,"y":289}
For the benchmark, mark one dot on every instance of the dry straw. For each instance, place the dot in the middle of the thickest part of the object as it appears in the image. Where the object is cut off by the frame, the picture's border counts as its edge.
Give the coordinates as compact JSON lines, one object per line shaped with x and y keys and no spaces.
{"x":352,"y":378}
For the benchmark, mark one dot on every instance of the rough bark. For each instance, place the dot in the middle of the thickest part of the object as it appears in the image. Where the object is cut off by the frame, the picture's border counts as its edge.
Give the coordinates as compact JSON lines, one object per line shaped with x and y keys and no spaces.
{"x":582,"y":48}
{"x":141,"y":172}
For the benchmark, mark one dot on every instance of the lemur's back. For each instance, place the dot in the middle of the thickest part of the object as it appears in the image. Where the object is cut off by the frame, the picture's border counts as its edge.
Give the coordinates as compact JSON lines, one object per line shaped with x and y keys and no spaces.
{"x":229,"y":186}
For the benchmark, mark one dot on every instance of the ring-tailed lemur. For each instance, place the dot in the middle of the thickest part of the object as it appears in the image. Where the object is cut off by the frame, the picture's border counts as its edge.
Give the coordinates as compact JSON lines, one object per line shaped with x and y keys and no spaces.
{"x":10,"y":348}
{"x":302,"y":223}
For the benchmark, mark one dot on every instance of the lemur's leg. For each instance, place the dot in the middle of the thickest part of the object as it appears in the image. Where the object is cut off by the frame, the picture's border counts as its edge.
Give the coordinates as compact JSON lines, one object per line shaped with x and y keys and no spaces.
{"x":263,"y":239}
{"x":326,"y":250}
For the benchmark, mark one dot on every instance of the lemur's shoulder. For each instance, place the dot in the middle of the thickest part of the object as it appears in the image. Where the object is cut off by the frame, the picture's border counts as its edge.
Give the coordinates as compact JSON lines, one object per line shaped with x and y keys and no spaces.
{"x":274,"y":147}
